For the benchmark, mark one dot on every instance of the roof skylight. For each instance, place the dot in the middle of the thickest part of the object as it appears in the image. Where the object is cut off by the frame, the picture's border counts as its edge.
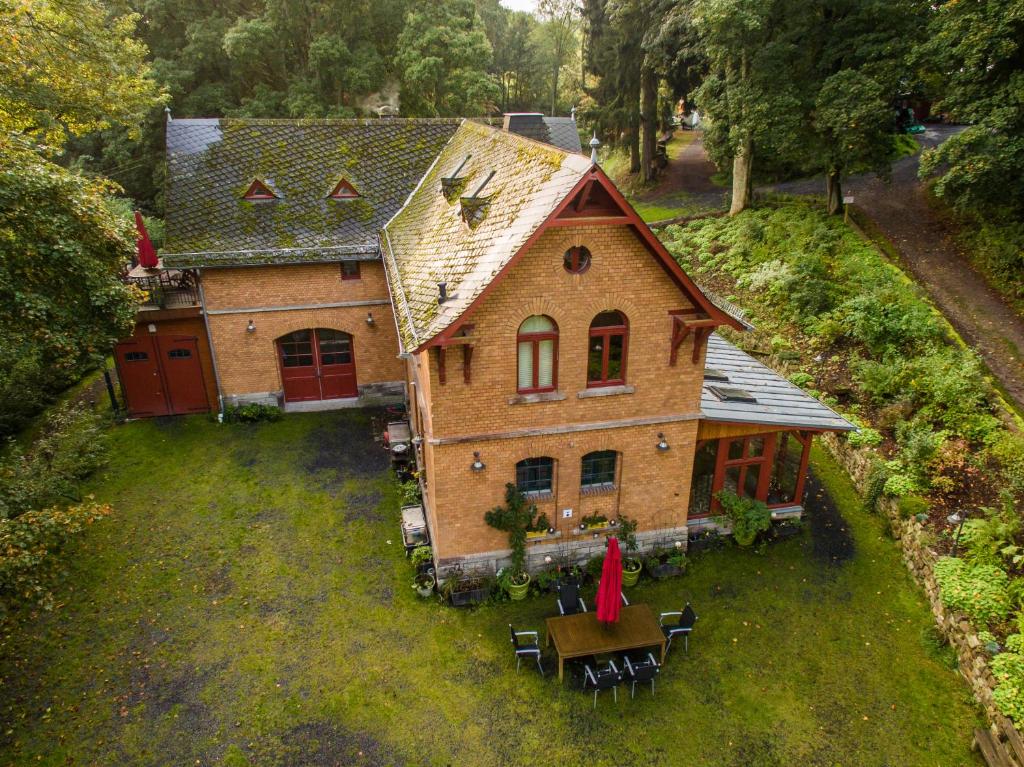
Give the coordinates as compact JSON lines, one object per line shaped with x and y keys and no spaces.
{"x":732,"y":394}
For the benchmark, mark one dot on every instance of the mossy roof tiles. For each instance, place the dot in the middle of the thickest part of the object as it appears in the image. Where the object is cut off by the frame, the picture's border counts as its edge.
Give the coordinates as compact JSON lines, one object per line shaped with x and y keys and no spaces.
{"x":428,"y":242}
{"x":211,"y":163}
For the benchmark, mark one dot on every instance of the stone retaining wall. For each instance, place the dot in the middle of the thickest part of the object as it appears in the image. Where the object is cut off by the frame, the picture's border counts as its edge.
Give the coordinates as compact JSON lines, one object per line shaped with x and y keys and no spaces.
{"x":920,"y":559}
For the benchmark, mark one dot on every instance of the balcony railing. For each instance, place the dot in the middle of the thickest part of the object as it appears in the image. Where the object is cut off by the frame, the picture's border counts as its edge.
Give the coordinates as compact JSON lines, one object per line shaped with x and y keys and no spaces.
{"x":168,"y":289}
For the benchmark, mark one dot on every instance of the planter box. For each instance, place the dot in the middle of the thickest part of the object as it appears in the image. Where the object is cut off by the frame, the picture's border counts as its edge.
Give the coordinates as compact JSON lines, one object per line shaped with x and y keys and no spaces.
{"x":664,"y":570}
{"x":782,"y":532}
{"x":471,"y":597}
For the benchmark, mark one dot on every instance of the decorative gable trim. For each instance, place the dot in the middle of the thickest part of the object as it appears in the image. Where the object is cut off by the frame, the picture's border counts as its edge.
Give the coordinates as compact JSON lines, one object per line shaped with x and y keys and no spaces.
{"x":610,"y":207}
{"x":344,"y":190}
{"x":259,"y":190}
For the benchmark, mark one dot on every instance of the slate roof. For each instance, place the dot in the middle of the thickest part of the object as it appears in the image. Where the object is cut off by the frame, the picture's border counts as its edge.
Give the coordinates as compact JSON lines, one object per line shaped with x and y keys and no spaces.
{"x":557,"y":131}
{"x":211,"y":163}
{"x":778,"y":402}
{"x":427,"y":242}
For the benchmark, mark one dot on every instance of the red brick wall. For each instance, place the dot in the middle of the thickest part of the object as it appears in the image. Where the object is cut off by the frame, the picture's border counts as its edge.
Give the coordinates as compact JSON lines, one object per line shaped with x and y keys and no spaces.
{"x":248,"y":363}
{"x":653,"y":486}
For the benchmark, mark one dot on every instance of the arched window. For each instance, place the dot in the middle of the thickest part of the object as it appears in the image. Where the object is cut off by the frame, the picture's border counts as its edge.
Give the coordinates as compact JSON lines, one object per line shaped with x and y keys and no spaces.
{"x":538,"y":354}
{"x":598,"y":471}
{"x":606,"y":361}
{"x":535,"y":475}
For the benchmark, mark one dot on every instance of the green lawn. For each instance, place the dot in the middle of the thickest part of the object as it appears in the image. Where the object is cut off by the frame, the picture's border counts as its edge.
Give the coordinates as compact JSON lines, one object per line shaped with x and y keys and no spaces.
{"x":248,"y":603}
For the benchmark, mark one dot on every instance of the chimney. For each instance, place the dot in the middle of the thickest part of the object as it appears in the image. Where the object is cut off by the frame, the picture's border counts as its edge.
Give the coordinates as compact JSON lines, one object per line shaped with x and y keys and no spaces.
{"x":442,"y":292}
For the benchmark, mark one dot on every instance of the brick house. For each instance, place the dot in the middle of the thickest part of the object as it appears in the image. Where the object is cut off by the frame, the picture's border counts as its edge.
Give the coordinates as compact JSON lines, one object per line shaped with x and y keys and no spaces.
{"x":496,"y":280}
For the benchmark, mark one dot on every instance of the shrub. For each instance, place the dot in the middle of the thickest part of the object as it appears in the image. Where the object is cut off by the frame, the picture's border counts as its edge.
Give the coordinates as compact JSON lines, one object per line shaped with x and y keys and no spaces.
{"x":71,"y":445}
{"x":865,"y":436}
{"x":254,"y":412}
{"x":748,"y":516}
{"x":980,"y":591}
{"x":1008,"y":669}
{"x":889,"y":319}
{"x":900,"y":483}
{"x":1015,"y":643}
{"x":1007,"y":448}
{"x":30,"y":548}
{"x":874,"y":486}
{"x":912,"y":505}
{"x":515,"y":518}
{"x":992,"y":539}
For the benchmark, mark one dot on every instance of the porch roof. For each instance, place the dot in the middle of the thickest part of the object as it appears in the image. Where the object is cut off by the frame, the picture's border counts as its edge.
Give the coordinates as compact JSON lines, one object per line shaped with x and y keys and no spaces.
{"x":773,"y":400}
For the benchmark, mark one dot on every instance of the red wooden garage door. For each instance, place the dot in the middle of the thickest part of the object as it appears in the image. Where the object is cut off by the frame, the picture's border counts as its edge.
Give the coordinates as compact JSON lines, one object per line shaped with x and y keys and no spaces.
{"x":317,"y":364}
{"x":161,"y":375}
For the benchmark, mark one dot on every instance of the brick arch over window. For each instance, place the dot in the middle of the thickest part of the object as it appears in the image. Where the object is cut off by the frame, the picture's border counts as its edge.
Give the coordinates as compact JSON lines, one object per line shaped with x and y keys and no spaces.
{"x":608,"y":349}
{"x":537,"y":355}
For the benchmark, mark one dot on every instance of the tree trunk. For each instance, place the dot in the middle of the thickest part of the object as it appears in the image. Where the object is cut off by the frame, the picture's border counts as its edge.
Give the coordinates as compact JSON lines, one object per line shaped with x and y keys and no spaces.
{"x":648,"y":122}
{"x":742,"y":176}
{"x":554,"y":88}
{"x":833,"y":192}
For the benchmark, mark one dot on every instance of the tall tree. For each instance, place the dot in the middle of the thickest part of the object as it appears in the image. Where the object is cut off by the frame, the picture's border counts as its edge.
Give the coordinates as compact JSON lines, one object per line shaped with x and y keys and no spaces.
{"x":561,"y":25}
{"x":978,"y":49}
{"x":68,"y":68}
{"x":749,"y":93}
{"x":443,"y":61}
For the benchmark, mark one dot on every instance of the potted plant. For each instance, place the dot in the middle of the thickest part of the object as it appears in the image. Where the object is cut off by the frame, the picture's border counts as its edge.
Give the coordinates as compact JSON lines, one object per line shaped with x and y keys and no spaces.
{"x":464,"y":589}
{"x":539,"y":528}
{"x":631,"y":564}
{"x":748,"y":517}
{"x":704,"y":540}
{"x":424,"y":584}
{"x":666,"y":563}
{"x":787,"y":528}
{"x":516,"y":517}
{"x":422,"y":558}
{"x":592,"y":521}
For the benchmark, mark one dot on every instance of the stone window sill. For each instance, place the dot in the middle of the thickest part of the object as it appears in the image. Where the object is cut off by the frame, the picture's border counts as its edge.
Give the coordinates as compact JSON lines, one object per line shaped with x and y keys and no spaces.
{"x":544,"y":396}
{"x":539,"y":495}
{"x":606,"y":391}
{"x":603,"y":489}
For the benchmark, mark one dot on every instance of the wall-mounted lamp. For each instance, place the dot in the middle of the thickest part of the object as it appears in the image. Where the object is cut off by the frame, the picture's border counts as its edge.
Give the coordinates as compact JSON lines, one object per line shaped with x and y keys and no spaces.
{"x":251,"y":327}
{"x":613,"y":523}
{"x":662,"y":444}
{"x":369,"y":319}
{"x":151,"y":327}
{"x":551,"y":531}
{"x":477,"y":464}
{"x":679,"y":544}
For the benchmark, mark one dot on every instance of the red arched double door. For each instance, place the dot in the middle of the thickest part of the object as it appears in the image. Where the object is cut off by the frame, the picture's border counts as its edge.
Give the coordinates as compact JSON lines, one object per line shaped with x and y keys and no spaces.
{"x":317,"y":364}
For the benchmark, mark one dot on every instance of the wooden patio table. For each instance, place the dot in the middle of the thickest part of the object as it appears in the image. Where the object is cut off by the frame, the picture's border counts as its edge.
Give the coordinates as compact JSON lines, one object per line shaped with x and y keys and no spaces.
{"x":581,"y":634}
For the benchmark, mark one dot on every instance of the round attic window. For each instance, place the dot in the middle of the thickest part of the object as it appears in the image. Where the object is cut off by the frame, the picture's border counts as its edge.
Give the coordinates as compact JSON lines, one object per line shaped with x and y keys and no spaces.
{"x":577,"y":260}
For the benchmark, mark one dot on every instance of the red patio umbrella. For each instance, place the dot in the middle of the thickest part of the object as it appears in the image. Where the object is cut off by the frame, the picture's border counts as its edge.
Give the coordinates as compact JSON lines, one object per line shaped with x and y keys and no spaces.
{"x":609,"y":593}
{"x":146,"y":251}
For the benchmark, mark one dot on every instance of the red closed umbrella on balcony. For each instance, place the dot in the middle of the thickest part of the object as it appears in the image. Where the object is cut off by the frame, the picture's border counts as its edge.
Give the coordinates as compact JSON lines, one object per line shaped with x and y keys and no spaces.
{"x":609,"y":593}
{"x":146,"y":251}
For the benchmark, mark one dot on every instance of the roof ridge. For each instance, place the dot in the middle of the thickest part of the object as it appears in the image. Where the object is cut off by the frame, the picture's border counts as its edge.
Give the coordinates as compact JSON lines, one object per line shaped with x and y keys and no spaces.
{"x":532,"y":141}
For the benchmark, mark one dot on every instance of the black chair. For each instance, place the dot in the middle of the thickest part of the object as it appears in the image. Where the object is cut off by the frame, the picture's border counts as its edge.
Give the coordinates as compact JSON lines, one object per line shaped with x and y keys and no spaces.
{"x":687,"y":617}
{"x":526,"y":649}
{"x":642,"y":671}
{"x":603,"y":679}
{"x":569,"y":600}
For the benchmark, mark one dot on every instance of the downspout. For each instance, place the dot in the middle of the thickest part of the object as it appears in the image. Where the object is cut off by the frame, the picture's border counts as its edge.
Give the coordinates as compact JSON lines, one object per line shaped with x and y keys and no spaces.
{"x":209,"y":341}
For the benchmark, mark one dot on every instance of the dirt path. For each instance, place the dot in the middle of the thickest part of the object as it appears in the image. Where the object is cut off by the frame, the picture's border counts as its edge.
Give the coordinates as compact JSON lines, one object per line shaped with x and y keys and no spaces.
{"x":927,"y":250}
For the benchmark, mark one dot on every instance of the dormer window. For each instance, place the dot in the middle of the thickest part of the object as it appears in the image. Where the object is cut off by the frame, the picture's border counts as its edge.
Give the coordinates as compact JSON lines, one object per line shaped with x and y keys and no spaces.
{"x":343,"y":190}
{"x":474,"y":207}
{"x":259,"y":191}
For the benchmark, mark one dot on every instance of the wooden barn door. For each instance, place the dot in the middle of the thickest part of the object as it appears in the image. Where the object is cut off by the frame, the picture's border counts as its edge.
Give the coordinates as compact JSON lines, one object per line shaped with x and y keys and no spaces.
{"x":317,"y":364}
{"x":337,"y":365}
{"x":183,"y":375}
{"x":138,"y":366}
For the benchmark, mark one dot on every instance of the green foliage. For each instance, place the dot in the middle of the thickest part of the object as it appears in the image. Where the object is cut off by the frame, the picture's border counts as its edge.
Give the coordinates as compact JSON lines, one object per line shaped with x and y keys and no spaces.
{"x":1015,"y":643}
{"x":62,"y":302}
{"x":976,"y":48}
{"x":627,"y":532}
{"x":1008,"y":669}
{"x":30,"y":549}
{"x":748,"y":516}
{"x":912,"y":505}
{"x":422,"y":555}
{"x":254,"y":412}
{"x":410,"y":491}
{"x":516,"y":517}
{"x":981,"y":591}
{"x":70,"y":446}
{"x":594,"y":520}
{"x":1007,"y":448}
{"x":69,"y":67}
{"x":443,"y":57}
{"x":993,"y":539}
{"x":874,"y":486}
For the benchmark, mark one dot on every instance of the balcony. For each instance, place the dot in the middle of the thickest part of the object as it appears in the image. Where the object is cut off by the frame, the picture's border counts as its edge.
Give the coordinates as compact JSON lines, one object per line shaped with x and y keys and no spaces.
{"x":166,"y":288}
